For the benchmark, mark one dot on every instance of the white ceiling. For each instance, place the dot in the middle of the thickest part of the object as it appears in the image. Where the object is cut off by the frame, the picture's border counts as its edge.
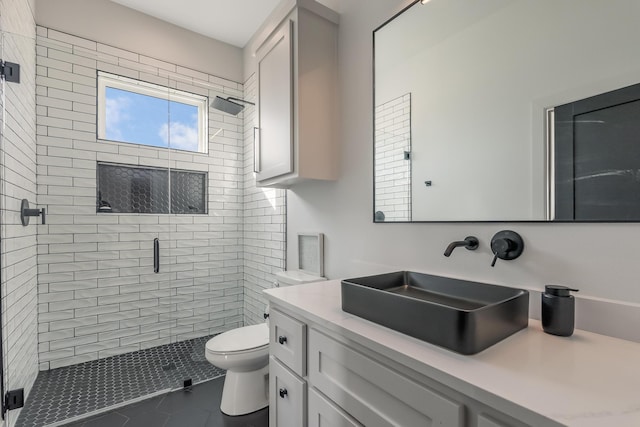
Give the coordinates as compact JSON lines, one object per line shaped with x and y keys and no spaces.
{"x":230,"y":21}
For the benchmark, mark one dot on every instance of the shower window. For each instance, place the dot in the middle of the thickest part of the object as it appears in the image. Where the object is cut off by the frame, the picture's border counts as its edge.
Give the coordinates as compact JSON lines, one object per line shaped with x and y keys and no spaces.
{"x":135,"y":189}
{"x":148,"y":114}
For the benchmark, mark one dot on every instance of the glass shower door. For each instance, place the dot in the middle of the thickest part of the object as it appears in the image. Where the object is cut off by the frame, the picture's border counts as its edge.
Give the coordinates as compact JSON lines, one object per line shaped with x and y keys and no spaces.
{"x":134,"y":198}
{"x":165,"y":191}
{"x":3,"y":320}
{"x":206,"y":219}
{"x":188,"y":178}
{"x":18,"y":273}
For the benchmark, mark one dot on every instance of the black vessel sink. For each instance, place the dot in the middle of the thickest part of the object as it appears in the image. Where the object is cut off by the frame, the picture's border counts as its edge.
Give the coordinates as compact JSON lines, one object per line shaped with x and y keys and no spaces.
{"x":466,"y":317}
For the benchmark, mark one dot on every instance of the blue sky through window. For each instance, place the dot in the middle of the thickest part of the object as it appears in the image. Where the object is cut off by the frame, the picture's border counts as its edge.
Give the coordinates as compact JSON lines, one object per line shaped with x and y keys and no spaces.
{"x":147,"y":120}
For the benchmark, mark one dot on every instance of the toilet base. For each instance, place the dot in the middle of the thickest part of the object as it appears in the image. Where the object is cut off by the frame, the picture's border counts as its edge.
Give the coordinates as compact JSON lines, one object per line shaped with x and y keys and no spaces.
{"x":245,"y":392}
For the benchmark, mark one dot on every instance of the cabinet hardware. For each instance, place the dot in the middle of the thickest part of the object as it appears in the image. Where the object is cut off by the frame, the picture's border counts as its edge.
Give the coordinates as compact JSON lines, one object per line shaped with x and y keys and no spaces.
{"x":256,"y":150}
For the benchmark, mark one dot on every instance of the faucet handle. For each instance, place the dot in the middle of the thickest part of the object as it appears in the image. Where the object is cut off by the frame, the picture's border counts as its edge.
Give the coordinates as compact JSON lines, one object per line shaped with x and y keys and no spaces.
{"x":495,"y":258}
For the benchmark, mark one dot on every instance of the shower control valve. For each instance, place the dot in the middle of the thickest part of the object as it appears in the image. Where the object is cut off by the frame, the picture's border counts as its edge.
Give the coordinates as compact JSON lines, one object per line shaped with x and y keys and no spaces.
{"x":507,"y":245}
{"x":26,"y":212}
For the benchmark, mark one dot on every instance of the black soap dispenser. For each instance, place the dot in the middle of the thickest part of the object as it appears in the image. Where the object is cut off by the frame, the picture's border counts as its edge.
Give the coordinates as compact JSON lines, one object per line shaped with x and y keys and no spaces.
{"x":558,"y":310}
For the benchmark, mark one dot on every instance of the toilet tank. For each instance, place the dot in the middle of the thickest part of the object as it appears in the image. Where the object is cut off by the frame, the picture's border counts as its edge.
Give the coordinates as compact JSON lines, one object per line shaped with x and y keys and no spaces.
{"x":296,"y":277}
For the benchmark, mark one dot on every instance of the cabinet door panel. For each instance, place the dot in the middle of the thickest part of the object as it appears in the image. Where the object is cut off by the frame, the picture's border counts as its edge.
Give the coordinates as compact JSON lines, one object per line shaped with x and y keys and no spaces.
{"x":288,"y":341}
{"x":373,"y":393}
{"x":274,"y":144}
{"x":287,"y":397}
{"x":323,"y":413}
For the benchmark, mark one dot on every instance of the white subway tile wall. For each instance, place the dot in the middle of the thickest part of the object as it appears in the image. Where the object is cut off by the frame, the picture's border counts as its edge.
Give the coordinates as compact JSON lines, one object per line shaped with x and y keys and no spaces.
{"x":264,"y":225}
{"x":98,"y":294}
{"x":18,"y":181}
{"x":393,"y":171}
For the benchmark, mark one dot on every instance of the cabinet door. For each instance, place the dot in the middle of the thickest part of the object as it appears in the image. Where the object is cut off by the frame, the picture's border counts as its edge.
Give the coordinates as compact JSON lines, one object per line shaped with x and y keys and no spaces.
{"x":274,"y":140}
{"x":323,"y":413}
{"x":288,"y":341}
{"x":373,"y":393}
{"x":287,"y":397}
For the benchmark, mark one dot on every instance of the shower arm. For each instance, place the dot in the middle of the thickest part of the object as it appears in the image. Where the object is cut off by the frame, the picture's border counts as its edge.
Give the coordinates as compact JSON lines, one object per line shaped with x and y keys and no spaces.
{"x":231,"y":98}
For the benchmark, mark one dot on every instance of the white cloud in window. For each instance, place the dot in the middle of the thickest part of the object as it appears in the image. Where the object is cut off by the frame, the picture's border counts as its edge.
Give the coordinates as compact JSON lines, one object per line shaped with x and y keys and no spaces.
{"x":116,"y":112}
{"x":183,"y":137}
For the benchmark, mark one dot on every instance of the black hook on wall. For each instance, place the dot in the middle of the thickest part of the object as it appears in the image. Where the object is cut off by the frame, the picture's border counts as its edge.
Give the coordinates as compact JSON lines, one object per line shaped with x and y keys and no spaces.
{"x":25,"y":213}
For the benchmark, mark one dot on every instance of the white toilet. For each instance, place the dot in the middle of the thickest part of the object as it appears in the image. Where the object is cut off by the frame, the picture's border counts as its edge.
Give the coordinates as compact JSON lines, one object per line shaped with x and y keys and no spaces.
{"x":244,"y":353}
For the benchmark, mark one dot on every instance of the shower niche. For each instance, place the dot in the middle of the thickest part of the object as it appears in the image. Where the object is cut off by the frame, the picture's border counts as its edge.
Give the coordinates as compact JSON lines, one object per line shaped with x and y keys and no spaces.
{"x":136,"y":189}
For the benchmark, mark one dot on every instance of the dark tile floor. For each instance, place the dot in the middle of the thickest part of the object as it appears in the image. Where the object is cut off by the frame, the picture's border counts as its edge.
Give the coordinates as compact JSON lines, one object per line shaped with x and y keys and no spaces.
{"x":64,"y":393}
{"x":198,"y":406}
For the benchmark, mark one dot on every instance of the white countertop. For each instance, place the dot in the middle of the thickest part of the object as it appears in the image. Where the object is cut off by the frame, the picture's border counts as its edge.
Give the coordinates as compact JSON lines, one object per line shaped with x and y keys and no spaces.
{"x":584,"y":380}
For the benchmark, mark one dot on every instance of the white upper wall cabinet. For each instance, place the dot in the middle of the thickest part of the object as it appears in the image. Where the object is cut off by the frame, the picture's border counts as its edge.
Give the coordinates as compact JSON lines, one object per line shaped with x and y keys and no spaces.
{"x":296,"y":131}
{"x":273,"y":145}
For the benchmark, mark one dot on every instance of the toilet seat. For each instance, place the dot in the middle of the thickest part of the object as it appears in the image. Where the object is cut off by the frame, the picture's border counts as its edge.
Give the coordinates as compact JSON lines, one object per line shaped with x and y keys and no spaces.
{"x":240,"y":340}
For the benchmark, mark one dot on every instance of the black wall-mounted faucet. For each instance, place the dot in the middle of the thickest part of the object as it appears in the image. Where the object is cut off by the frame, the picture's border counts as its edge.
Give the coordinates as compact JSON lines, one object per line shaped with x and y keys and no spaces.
{"x":469,"y":242}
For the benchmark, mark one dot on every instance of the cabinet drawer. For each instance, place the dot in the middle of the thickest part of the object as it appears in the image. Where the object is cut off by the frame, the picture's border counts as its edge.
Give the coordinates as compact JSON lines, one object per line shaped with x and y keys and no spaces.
{"x":288,"y":341}
{"x":323,"y":413}
{"x":375,"y":394}
{"x":486,"y":421}
{"x":499,"y":420}
{"x":287,"y":397}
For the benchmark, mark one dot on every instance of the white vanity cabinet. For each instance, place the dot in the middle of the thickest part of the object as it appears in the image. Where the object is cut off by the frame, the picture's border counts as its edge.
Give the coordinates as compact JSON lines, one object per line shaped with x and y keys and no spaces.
{"x":323,"y":413}
{"x":373,"y":393}
{"x":357,"y":372}
{"x":287,"y":367}
{"x":287,"y":396}
{"x":295,"y":137}
{"x":318,"y":379}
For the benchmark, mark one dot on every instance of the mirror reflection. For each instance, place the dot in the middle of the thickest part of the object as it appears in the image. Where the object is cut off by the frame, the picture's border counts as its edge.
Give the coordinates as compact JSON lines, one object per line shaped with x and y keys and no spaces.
{"x":508,"y":110}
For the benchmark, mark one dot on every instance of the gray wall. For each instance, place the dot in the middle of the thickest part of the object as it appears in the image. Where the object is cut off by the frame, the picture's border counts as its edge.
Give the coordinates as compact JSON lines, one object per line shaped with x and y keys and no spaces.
{"x":599,"y":259}
{"x":17,"y":156}
{"x":113,"y":24}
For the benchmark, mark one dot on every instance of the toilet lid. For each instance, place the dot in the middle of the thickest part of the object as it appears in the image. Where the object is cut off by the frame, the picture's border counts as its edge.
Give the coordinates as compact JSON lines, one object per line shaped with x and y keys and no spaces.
{"x":240,"y":339}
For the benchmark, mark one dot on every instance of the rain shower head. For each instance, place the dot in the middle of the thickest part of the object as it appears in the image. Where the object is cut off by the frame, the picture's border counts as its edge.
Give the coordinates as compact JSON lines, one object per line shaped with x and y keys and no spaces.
{"x":228,"y":105}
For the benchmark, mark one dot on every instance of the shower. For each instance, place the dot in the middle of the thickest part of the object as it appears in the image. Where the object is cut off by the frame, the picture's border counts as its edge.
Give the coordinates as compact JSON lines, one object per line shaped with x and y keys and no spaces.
{"x":228,"y":105}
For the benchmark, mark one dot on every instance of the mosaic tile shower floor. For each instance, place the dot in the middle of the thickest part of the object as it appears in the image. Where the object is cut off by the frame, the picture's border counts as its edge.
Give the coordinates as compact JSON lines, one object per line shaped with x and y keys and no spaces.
{"x":65,"y":393}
